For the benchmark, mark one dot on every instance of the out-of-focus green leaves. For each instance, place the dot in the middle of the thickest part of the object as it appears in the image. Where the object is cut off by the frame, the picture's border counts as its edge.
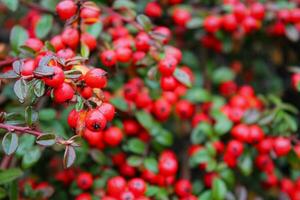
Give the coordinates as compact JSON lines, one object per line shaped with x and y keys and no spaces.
{"x":43,"y":26}
{"x":11,"y":4}
{"x":9,"y":175}
{"x":18,"y":36}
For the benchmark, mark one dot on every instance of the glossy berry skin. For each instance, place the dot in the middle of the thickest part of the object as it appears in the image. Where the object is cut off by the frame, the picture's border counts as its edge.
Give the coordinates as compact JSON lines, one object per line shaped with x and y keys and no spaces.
{"x":162,"y":109}
{"x":96,"y":78}
{"x":137,"y":186}
{"x":34,"y":44}
{"x":66,"y":9}
{"x":94,"y":138}
{"x":123,"y":54}
{"x":84,"y":180}
{"x":63,"y":93}
{"x":168,"y":166}
{"x":167,"y":66}
{"x":256,"y":134}
{"x":108,"y":58}
{"x":295,"y":81}
{"x":229,"y":23}
{"x":235,"y":148}
{"x":257,"y":11}
{"x":131,"y":127}
{"x":28,"y":67}
{"x":142,"y":42}
{"x":212,"y":24}
{"x":90,"y":15}
{"x":183,"y":188}
{"x":57,"y":43}
{"x":95,"y":120}
{"x":83,"y":196}
{"x":70,"y":37}
{"x":181,"y":16}
{"x":65,"y":53}
{"x":73,"y":118}
{"x":209,"y":178}
{"x":241,"y":132}
{"x":107,"y":110}
{"x":127,"y":195}
{"x":153,"y":9}
{"x":168,"y":83}
{"x":184,"y":109}
{"x":113,"y":136}
{"x":282,"y":146}
{"x":56,"y":79}
{"x":89,"y":40}
{"x":86,"y":92}
{"x":116,"y":186}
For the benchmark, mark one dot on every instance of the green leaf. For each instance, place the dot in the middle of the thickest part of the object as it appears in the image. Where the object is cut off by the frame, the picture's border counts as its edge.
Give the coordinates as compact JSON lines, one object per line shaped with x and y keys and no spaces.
{"x":9,"y":74}
{"x":10,"y":143}
{"x":245,"y":164}
{"x":119,"y":103}
{"x":11,"y":4}
{"x":145,"y":22}
{"x":228,"y":176}
{"x":98,"y":156}
{"x":47,"y":114}
{"x":31,"y":116}
{"x":195,"y":23}
{"x":21,"y":89}
{"x":31,"y":157}
{"x":84,"y":51}
{"x":151,"y":164}
{"x":124,"y":4}
{"x":219,"y":189}
{"x":222,"y":74}
{"x":79,"y":104}
{"x":182,"y":77}
{"x":145,"y":119}
{"x":223,"y":125}
{"x":25,"y":143}
{"x":13,"y":190}
{"x":43,"y":26}
{"x":198,"y":95}
{"x":136,"y":146}
{"x":164,"y":137}
{"x":206,"y":195}
{"x":18,"y":36}
{"x":95,"y":29}
{"x":69,"y":156}
{"x":9,"y":175}
{"x":46,"y":139}
{"x":200,"y":132}
{"x":134,"y":161}
{"x":39,"y":88}
{"x":201,"y":156}
{"x":2,"y":193}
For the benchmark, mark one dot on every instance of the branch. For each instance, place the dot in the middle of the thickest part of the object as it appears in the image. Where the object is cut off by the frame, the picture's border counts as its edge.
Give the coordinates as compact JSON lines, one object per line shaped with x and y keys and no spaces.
{"x":8,"y":61}
{"x":19,"y":129}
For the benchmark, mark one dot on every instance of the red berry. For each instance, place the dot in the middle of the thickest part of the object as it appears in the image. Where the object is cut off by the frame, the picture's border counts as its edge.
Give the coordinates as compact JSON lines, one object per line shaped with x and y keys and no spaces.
{"x":94,"y":138}
{"x":168,"y":166}
{"x":84,"y":180}
{"x":165,"y":32}
{"x":107,"y":110}
{"x":250,"y":24}
{"x":167,"y":66}
{"x":229,"y":22}
{"x":181,"y":16}
{"x":142,"y":42}
{"x":257,"y":10}
{"x":183,"y":188}
{"x":209,"y":178}
{"x":28,"y":67}
{"x":137,"y":186}
{"x":63,"y":93}
{"x":90,"y":15}
{"x":127,"y":195}
{"x":34,"y":44}
{"x":73,"y":118}
{"x":86,"y":92}
{"x":66,"y":9}
{"x":56,"y":79}
{"x":131,"y":127}
{"x":89,"y":40}
{"x":143,"y":100}
{"x":235,"y":148}
{"x":95,"y":120}
{"x":184,"y":109}
{"x":124,"y":54}
{"x":282,"y":146}
{"x":116,"y":186}
{"x":65,"y":53}
{"x":83,"y":196}
{"x":212,"y":24}
{"x":153,"y":9}
{"x":168,"y":83}
{"x":162,"y":109}
{"x":57,"y":43}
{"x":96,"y":78}
{"x":256,"y":134}
{"x":113,"y":136}
{"x":108,"y":58}
{"x":265,"y":146}
{"x":70,"y":37}
{"x":241,"y":132}
{"x":296,"y":81}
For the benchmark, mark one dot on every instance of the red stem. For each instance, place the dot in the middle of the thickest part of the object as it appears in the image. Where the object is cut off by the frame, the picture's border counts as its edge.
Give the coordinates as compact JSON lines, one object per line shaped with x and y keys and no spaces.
{"x":8,"y":61}
{"x":20,"y":129}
